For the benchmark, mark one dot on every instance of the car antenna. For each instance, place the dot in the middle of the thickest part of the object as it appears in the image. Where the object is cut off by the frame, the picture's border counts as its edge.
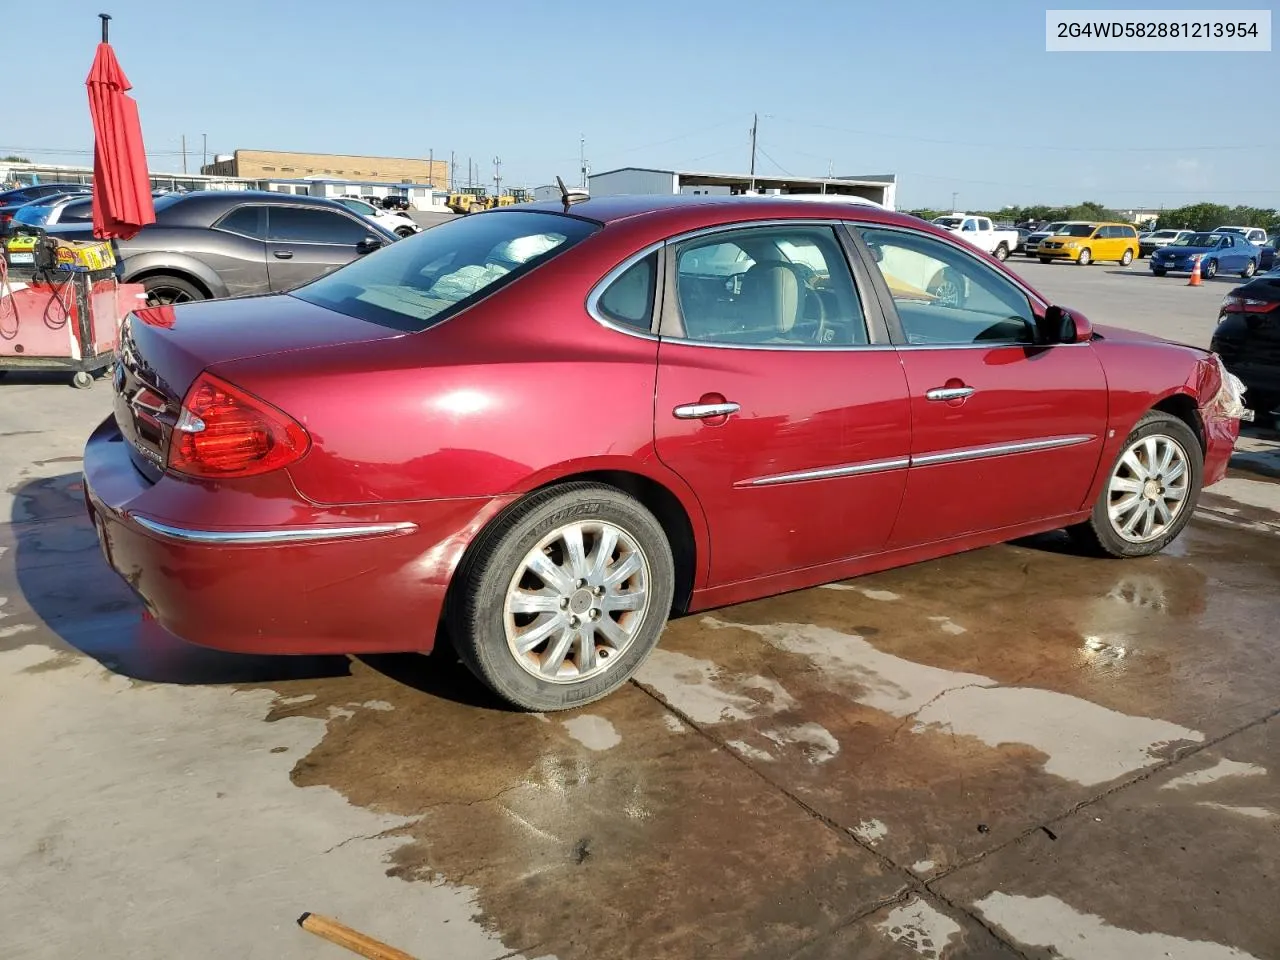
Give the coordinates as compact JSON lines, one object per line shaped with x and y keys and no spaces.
{"x":571,"y":196}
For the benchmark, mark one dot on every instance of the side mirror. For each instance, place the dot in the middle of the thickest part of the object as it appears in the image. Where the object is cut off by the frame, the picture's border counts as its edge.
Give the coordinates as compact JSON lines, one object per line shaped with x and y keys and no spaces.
{"x":368,"y":245}
{"x":1059,"y":325}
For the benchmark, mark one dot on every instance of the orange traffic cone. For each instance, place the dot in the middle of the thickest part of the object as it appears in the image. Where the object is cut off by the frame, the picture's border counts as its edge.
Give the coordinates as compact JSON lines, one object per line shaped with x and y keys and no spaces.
{"x":1195,"y":272}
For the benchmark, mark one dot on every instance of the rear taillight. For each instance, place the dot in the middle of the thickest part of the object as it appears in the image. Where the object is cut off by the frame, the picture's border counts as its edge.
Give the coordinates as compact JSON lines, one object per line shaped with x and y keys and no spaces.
{"x":224,"y":432}
{"x":1232,"y":304}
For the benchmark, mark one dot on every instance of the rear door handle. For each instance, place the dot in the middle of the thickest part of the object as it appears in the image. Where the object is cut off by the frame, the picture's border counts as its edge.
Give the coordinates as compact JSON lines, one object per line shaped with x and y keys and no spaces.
{"x":704,"y":411}
{"x":283,"y":254}
{"x":949,"y":393}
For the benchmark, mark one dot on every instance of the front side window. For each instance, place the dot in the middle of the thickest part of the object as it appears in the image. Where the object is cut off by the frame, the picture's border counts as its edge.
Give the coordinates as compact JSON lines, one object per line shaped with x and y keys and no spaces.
{"x":422,"y":280}
{"x":628,"y":300}
{"x":944,"y":296}
{"x":768,"y":286}
{"x":309,"y":225}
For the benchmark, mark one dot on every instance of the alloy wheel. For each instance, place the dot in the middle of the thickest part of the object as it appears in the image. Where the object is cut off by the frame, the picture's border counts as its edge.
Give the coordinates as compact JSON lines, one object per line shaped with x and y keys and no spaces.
{"x":577,"y":601}
{"x":1148,"y":488}
{"x":163,"y":295}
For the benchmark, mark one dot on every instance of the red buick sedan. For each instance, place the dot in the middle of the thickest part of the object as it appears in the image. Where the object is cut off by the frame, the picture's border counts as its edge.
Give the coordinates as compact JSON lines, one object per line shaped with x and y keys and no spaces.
{"x":542,"y":430}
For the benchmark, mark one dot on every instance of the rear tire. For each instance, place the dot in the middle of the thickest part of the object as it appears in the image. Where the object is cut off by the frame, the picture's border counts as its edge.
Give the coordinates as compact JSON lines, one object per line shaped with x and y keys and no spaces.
{"x":1209,"y":269}
{"x":1249,"y":270}
{"x":535,"y":617}
{"x":1138,"y":480}
{"x":1002,"y":253}
{"x":1127,"y":258}
{"x":404,"y":232}
{"x":163,"y":289}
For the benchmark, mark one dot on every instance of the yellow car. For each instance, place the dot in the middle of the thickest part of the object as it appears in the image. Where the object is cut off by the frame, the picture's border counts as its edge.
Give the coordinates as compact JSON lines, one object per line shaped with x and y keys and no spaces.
{"x":1087,"y":242}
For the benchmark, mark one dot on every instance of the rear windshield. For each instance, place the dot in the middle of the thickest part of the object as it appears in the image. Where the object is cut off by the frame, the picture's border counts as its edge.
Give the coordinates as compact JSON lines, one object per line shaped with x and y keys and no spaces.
{"x":418,"y":282}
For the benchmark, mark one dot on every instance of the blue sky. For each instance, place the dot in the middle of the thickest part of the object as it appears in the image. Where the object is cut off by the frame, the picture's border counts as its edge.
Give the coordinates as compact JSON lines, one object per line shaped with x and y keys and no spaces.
{"x":951,"y":96}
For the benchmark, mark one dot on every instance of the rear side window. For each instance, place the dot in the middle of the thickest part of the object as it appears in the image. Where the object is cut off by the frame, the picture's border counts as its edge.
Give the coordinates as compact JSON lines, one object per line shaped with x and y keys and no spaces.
{"x":309,"y":225}
{"x":244,"y":220}
{"x":78,"y":211}
{"x":629,"y":299}
{"x":789,"y":286}
{"x":424,"y":279}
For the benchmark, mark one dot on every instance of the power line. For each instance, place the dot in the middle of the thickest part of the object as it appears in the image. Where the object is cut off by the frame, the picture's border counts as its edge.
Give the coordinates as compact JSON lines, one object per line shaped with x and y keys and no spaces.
{"x":775,"y":162}
{"x":1055,"y":147}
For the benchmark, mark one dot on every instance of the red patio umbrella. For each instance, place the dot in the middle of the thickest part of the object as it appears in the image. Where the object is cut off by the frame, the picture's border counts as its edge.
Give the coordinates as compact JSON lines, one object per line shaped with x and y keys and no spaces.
{"x":122,"y":203}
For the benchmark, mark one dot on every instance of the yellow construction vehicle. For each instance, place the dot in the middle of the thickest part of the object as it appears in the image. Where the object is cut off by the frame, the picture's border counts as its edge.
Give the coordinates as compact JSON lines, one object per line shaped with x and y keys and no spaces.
{"x":468,"y":200}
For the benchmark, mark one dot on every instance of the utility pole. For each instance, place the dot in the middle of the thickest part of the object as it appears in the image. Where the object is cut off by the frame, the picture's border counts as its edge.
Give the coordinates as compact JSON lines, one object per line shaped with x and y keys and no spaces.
{"x":184,"y":153}
{"x":582,"y":156}
{"x":204,"y":151}
{"x":453,"y":172}
{"x":497,"y":176}
{"x":954,"y":194}
{"x":470,"y":180}
{"x":431,"y":166}
{"x":755,"y":122}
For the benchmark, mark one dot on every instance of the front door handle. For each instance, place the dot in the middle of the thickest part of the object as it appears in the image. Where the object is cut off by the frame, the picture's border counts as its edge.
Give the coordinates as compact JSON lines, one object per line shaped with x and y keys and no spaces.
{"x":705,"y":411}
{"x":949,"y":393}
{"x":283,"y":254}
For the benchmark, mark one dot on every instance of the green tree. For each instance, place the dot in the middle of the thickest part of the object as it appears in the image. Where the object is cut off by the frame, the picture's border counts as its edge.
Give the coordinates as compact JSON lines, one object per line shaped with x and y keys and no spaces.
{"x":14,"y":158}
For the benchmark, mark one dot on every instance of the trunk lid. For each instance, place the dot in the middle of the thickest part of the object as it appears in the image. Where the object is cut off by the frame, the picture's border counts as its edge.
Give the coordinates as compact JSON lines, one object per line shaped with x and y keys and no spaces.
{"x":164,"y":349}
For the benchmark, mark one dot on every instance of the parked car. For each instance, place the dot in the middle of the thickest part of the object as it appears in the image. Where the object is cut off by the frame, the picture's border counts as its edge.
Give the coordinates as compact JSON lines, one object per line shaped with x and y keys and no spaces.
{"x":1255,"y":235}
{"x":1217,"y":251}
{"x":11,"y":201}
{"x":209,"y":244}
{"x":397,"y":223}
{"x":1032,"y":242}
{"x":395,"y":201}
{"x":1023,"y":233}
{"x":336,"y":469}
{"x":980,"y":232}
{"x":59,"y":208}
{"x":1267,"y":253}
{"x":1160,"y":239}
{"x":1248,"y":340}
{"x":1086,"y":242}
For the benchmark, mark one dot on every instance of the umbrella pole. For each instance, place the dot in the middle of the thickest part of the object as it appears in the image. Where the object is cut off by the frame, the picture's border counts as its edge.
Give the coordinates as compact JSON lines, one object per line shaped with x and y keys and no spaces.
{"x":104,"y":17}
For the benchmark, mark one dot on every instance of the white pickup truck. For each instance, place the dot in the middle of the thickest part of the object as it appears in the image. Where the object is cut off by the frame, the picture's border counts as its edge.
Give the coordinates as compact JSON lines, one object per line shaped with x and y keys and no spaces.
{"x":979,"y":232}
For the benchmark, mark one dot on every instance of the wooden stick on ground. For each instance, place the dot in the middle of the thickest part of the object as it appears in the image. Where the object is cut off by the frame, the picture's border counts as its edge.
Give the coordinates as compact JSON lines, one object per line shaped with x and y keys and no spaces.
{"x":353,"y":940}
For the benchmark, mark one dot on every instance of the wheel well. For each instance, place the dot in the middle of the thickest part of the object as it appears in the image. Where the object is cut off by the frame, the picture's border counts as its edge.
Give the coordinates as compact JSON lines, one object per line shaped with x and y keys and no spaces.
{"x":1185,"y":409}
{"x":177,"y":273}
{"x":666,"y":507}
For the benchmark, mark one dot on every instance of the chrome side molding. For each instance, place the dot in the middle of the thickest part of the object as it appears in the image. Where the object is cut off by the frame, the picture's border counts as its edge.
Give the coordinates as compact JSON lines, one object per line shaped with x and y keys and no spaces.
{"x":267,"y":537}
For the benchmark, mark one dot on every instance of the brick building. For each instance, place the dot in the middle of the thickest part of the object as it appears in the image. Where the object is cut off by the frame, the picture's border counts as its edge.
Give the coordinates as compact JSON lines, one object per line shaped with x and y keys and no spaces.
{"x":285,"y":164}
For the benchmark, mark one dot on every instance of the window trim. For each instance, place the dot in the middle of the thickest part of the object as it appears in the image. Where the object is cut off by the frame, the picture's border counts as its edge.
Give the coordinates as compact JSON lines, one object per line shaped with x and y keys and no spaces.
{"x":890,"y":311}
{"x":603,"y":284}
{"x":671,"y":326}
{"x":317,"y":243}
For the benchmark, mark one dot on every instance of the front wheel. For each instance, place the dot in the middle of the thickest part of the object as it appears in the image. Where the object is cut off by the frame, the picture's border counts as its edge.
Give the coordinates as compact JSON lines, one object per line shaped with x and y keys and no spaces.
{"x":404,"y":232}
{"x":1002,"y":252}
{"x":1044,"y":259}
{"x":1151,"y":492}
{"x":163,"y":290}
{"x":1156,"y":271}
{"x":1127,"y":258}
{"x":561,"y":599}
{"x":1085,"y":258}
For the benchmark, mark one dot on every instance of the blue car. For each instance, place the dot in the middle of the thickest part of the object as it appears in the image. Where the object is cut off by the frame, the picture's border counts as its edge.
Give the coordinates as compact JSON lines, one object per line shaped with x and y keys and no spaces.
{"x":1226,"y":252}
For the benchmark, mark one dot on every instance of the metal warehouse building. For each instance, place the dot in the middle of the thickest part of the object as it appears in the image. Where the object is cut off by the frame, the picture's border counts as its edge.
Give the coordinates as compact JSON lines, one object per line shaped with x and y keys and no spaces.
{"x":880,"y":188}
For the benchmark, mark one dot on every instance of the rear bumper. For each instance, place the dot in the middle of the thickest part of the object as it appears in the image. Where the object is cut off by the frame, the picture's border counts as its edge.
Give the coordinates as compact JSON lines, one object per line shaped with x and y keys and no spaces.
{"x":224,"y":571}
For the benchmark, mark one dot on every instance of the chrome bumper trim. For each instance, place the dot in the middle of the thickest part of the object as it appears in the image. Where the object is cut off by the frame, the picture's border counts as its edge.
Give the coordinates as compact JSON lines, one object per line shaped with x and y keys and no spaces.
{"x":267,"y":537}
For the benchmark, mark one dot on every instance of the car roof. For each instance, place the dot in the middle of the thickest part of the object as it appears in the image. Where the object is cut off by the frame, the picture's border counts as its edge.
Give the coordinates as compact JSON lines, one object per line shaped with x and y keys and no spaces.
{"x":697,"y":209}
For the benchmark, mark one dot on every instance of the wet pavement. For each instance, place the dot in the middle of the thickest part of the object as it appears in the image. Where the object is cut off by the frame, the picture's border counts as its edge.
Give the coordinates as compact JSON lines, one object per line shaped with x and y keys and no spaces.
{"x":1015,"y":752}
